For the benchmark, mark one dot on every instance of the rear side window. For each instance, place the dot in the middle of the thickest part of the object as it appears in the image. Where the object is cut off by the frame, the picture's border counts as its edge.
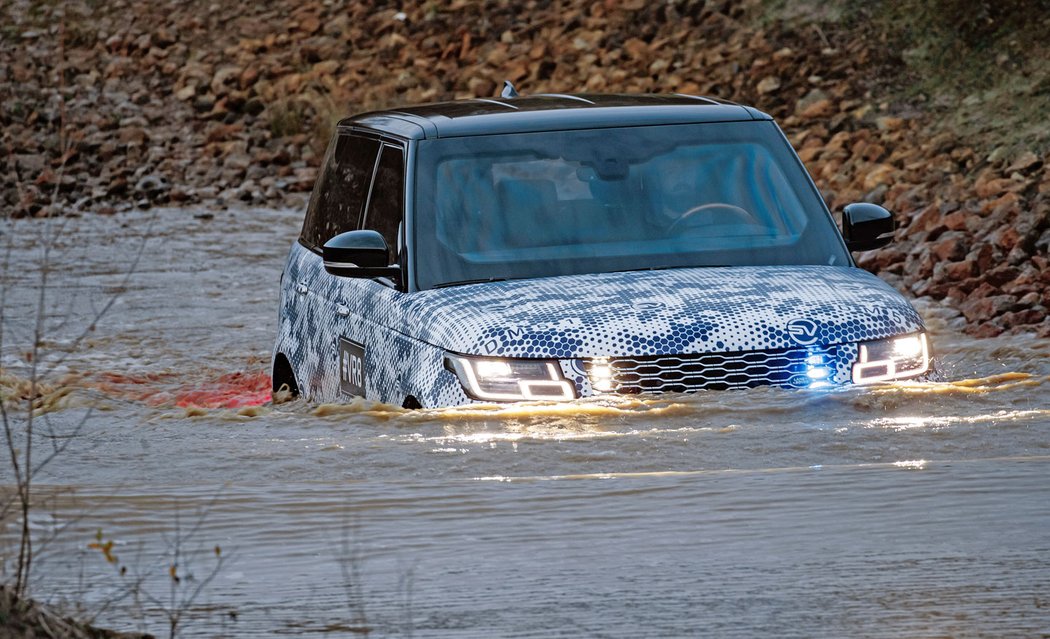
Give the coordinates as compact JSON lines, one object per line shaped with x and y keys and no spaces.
{"x":339,"y":195}
{"x":386,"y":206}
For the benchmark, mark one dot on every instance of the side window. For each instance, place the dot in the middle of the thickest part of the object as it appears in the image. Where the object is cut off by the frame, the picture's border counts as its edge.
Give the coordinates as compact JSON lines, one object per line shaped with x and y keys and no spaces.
{"x":386,"y":206}
{"x":340,"y":192}
{"x":310,"y":232}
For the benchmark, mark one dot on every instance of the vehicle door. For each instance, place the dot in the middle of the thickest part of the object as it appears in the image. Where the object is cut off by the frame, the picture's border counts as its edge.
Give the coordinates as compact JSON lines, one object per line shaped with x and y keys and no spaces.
{"x":336,"y":207}
{"x":364,"y":309}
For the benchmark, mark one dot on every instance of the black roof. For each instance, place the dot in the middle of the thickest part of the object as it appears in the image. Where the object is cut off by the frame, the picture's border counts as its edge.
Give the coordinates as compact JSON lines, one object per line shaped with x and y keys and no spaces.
{"x":548,"y":112}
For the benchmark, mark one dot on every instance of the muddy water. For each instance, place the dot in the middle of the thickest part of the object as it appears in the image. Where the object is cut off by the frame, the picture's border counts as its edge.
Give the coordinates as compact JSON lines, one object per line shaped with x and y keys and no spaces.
{"x":908,"y":511}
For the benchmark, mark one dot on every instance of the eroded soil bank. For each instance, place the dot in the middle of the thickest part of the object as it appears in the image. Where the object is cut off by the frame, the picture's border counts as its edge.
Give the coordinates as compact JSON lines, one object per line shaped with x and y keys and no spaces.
{"x":123,"y":104}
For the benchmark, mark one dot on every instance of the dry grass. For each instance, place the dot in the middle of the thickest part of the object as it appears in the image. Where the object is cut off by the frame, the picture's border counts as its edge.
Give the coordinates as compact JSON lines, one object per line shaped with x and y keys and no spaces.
{"x":982,"y":66}
{"x":25,"y":619}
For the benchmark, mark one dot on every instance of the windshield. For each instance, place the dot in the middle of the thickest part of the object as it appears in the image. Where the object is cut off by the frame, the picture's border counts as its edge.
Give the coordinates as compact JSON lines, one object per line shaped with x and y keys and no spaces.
{"x":594,"y":201}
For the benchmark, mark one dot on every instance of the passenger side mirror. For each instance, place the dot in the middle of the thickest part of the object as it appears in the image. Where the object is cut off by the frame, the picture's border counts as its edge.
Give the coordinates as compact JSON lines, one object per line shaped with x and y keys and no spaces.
{"x":360,"y":254}
{"x":866,"y":226}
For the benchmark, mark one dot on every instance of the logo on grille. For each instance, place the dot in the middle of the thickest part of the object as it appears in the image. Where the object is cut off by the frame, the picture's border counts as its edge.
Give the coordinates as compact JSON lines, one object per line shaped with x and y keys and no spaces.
{"x":803,"y":331}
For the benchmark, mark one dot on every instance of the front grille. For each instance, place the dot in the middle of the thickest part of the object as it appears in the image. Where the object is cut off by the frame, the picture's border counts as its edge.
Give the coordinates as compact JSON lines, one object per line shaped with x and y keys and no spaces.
{"x":789,"y":368}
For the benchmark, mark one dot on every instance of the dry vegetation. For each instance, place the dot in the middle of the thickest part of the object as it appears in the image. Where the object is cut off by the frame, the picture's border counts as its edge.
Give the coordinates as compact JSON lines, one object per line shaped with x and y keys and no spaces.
{"x":23,"y":619}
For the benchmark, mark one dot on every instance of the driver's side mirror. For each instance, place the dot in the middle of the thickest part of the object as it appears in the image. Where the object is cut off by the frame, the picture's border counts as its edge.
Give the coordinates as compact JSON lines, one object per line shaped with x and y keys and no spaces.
{"x":360,"y":254}
{"x":866,"y":226}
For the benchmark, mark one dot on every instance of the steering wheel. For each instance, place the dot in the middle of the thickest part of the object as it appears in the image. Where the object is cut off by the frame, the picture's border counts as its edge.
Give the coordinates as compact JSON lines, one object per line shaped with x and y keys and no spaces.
{"x":737,"y":212}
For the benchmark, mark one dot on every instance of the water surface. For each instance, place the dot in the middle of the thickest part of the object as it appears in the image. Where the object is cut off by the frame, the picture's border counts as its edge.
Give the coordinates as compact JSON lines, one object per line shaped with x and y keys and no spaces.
{"x":904,"y":511}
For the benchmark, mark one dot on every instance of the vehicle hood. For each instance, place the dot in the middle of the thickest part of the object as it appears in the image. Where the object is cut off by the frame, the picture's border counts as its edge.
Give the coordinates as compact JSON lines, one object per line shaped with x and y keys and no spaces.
{"x":691,"y":310}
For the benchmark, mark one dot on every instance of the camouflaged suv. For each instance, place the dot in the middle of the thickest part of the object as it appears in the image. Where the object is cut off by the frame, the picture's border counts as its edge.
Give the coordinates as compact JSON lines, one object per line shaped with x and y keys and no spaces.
{"x":553,"y":247}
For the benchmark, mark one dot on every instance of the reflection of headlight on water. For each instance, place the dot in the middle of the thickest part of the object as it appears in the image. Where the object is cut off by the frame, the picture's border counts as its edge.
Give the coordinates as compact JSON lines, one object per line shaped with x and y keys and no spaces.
{"x":892,"y":358}
{"x":510,"y":380}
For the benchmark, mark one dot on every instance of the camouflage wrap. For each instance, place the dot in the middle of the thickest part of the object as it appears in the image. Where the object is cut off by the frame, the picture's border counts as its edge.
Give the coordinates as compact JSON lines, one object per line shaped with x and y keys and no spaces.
{"x":571,"y":318}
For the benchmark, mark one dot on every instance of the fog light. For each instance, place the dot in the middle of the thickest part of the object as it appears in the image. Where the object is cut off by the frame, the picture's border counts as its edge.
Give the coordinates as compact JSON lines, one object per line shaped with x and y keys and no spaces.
{"x":601,"y":374}
{"x":818,"y":373}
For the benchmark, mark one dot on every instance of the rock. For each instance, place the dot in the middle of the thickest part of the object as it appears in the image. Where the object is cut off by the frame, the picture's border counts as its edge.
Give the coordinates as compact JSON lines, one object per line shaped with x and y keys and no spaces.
{"x":958,"y":220}
{"x":162,"y":38}
{"x":985,"y":330}
{"x":877,"y":195}
{"x":769,"y":84}
{"x":30,"y":163}
{"x":237,"y":162}
{"x":133,"y":136}
{"x":303,"y":180}
{"x":223,"y":76}
{"x":812,"y":97}
{"x":152,"y":186}
{"x":186,"y":93}
{"x":985,"y":308}
{"x":254,"y":106}
{"x":1027,"y":162}
{"x":1000,"y":275}
{"x":992,"y":188}
{"x":882,"y":174}
{"x":984,"y":256}
{"x":249,"y":77}
{"x":1044,"y":329}
{"x":1030,"y":299}
{"x":953,"y":272}
{"x":888,"y":123}
{"x":204,"y":103}
{"x":818,"y":109}
{"x":1025,"y":316}
{"x":952,"y":246}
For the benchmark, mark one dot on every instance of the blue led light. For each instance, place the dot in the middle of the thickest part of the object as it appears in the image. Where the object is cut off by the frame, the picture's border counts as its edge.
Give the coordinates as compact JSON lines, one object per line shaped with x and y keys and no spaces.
{"x":818,"y":373}
{"x":815,"y":360}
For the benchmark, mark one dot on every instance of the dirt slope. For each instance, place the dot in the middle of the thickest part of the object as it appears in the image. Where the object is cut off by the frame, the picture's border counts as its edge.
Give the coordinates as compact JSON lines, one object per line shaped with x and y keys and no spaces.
{"x":124,"y":103}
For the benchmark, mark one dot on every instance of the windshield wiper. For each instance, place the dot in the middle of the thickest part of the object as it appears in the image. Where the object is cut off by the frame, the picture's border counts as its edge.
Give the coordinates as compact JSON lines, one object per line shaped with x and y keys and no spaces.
{"x":477,"y":281}
{"x":668,"y":268}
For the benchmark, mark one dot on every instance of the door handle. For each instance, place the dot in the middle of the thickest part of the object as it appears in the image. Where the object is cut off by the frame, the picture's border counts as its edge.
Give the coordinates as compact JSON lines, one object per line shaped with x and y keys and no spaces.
{"x":342,"y":310}
{"x":301,"y":288}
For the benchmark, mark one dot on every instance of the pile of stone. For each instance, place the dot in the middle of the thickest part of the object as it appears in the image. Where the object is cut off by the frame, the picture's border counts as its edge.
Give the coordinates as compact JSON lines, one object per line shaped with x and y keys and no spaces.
{"x":229,"y":104}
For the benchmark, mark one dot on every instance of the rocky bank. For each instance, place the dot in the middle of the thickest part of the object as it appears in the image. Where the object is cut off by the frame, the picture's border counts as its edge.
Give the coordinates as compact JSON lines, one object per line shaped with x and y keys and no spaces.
{"x":130,"y":104}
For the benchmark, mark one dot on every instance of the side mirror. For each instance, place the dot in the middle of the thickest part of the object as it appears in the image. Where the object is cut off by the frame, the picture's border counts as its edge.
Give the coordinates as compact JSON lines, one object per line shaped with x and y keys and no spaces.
{"x":359,"y":254}
{"x":866,"y":226}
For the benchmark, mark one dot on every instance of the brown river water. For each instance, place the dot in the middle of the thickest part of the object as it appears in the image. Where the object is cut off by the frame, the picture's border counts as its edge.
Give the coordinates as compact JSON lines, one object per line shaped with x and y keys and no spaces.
{"x":902,"y":511}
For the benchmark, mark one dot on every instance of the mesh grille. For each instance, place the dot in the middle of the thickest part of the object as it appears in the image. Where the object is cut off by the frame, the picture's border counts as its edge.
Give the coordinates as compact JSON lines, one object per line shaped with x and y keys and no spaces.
{"x":714,"y":371}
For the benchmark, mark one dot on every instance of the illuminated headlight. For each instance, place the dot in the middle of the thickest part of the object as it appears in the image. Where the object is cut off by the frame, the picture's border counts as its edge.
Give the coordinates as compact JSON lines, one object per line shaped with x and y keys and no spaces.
{"x":510,"y":380}
{"x":892,"y":358}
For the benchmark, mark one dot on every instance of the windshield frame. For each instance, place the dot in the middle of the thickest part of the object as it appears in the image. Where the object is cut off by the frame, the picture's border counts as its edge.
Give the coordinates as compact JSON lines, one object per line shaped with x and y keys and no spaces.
{"x":424,"y":236}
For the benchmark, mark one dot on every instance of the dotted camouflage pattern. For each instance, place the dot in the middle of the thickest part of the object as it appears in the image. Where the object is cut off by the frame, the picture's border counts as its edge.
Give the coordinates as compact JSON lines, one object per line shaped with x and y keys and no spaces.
{"x":571,"y":318}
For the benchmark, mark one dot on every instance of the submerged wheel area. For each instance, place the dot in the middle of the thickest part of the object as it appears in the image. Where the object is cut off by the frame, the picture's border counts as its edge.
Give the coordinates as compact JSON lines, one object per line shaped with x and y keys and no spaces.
{"x":284,"y":384}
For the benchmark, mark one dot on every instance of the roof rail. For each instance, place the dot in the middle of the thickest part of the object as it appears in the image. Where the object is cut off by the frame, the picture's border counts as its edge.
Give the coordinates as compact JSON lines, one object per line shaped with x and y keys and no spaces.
{"x":698,"y":97}
{"x":564,"y":96}
{"x":502,"y":104}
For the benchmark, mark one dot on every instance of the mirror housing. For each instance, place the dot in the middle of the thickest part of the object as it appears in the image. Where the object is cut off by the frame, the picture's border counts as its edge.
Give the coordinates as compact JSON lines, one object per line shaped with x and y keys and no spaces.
{"x":866,"y":226}
{"x":359,"y":254}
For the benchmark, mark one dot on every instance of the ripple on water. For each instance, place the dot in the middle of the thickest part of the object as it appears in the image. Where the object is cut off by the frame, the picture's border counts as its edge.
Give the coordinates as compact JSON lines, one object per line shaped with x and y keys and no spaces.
{"x":901,"y":510}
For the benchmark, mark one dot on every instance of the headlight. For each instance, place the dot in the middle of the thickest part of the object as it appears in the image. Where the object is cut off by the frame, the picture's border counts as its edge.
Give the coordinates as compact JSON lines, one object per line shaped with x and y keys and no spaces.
{"x":892,"y":358}
{"x":510,"y":380}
